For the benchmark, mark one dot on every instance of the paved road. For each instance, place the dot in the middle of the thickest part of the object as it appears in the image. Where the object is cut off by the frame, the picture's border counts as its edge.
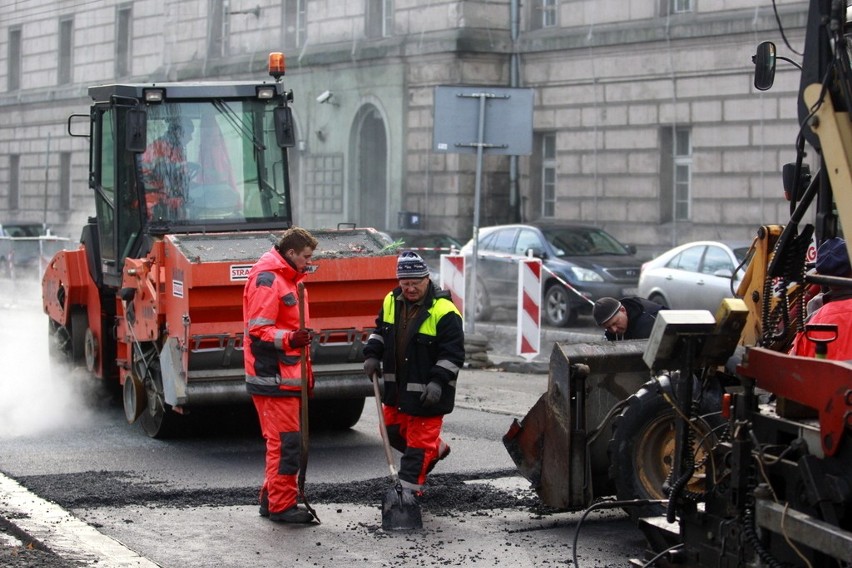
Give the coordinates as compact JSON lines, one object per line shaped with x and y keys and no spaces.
{"x":188,"y":502}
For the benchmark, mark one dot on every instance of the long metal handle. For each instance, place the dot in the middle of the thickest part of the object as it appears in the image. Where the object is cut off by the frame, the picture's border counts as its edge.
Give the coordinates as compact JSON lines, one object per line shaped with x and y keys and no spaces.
{"x":383,"y":429}
{"x":304,"y":427}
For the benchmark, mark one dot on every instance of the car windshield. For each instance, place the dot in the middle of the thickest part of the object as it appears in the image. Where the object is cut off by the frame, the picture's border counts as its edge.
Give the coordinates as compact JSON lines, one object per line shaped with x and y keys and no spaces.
{"x":583,"y":241}
{"x":24,"y":230}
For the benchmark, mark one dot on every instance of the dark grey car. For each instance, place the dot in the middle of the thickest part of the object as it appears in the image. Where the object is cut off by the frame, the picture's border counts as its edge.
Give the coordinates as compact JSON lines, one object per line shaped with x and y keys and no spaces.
{"x":582,"y":263}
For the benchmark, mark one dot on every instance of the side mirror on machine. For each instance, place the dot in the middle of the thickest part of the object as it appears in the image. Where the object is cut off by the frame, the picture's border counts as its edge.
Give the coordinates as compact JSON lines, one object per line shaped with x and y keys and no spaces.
{"x":137,"y":130}
{"x":284,"y":134}
{"x":764,"y":66}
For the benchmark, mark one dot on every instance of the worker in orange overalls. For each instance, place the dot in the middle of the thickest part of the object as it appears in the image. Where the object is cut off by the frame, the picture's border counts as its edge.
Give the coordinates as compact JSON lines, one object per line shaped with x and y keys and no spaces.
{"x":165,"y":171}
{"x":273,"y":346}
{"x":832,"y":260}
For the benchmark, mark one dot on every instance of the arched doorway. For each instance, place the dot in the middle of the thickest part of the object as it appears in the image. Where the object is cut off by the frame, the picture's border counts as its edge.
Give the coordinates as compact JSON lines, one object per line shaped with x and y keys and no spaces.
{"x":370,"y":177}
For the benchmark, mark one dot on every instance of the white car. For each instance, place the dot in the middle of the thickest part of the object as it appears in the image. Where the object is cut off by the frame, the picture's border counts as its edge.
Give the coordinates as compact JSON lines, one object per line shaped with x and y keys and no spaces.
{"x":694,"y":276}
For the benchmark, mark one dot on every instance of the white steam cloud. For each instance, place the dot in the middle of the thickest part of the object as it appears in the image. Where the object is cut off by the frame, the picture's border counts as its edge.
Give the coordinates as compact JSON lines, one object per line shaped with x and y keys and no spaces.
{"x":34,"y":400}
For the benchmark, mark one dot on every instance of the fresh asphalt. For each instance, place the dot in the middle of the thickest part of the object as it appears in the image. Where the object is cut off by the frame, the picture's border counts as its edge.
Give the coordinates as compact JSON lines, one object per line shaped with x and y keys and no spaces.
{"x":27,"y":520}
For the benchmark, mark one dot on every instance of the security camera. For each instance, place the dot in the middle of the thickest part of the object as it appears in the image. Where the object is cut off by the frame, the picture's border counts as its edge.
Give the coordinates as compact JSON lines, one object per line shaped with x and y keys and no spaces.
{"x":324,"y":97}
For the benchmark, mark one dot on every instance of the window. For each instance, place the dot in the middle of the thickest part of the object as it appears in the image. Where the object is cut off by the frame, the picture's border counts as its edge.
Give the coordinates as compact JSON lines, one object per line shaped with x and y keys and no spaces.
{"x":66,"y":51}
{"x":65,"y":181}
{"x":716,"y":259}
{"x":504,"y":241}
{"x":295,"y":19}
{"x":542,"y":14}
{"x":527,"y":240}
{"x":675,"y":174}
{"x":14,"y":181}
{"x":379,"y":21}
{"x":123,"y":40}
{"x":681,"y":6}
{"x":323,"y":191}
{"x":548,"y":175}
{"x":683,"y":174}
{"x":13,"y":70}
{"x":690,"y":259}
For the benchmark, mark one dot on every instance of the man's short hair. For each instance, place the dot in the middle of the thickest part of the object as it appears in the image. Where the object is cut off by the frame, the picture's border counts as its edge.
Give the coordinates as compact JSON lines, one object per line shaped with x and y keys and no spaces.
{"x":296,"y":238}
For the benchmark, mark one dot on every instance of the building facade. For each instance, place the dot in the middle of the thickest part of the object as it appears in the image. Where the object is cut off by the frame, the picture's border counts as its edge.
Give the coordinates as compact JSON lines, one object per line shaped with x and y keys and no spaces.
{"x":645,"y":119}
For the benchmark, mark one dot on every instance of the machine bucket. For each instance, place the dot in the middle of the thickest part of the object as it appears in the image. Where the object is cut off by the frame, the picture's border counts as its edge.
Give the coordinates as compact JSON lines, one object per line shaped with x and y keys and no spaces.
{"x":560,"y":446}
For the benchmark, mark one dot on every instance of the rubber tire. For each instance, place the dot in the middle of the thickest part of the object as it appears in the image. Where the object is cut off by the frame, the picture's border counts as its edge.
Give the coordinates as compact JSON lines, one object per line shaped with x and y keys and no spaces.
{"x":647,"y":419}
{"x":658,"y":299}
{"x":335,"y":414}
{"x":158,"y":420}
{"x":482,"y":310}
{"x":557,"y":307}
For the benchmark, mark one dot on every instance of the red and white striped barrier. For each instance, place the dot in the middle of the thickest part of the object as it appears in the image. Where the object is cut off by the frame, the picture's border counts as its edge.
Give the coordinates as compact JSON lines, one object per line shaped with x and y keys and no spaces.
{"x":452,"y":278}
{"x":529,"y":308}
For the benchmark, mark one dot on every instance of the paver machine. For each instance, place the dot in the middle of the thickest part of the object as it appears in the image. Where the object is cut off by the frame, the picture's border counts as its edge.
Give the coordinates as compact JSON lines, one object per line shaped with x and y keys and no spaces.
{"x":725,"y":449}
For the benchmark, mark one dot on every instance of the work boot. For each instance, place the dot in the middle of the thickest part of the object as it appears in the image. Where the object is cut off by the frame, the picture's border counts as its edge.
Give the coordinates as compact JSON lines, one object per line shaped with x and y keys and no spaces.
{"x":264,"y":503}
{"x":443,"y":452}
{"x":293,"y":515}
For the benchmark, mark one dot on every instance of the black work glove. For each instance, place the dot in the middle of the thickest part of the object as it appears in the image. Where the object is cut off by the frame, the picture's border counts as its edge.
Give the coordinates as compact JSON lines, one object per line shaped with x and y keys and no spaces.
{"x":431,"y":395}
{"x":300,"y":338}
{"x":372,"y":366}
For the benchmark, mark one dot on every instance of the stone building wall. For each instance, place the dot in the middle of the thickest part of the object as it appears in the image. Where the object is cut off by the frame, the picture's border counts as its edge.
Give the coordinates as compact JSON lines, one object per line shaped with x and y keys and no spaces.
{"x":609,"y":79}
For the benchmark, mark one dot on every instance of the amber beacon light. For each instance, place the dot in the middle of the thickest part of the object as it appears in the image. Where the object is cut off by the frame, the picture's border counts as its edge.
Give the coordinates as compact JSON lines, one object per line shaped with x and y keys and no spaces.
{"x":276,"y":64}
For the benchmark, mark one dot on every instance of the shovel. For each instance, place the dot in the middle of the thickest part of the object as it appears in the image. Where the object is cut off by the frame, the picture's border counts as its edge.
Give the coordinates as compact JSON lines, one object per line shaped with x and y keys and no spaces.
{"x":400,"y":511}
{"x":303,"y":410}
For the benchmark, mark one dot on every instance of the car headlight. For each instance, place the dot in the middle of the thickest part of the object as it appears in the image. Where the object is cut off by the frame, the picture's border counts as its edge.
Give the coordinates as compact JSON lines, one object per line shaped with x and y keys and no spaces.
{"x":585,"y":275}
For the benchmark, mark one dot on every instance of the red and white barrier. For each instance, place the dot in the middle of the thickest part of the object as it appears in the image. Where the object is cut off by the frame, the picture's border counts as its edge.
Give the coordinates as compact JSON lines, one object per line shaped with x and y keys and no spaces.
{"x":529,"y":308}
{"x":452,"y":278}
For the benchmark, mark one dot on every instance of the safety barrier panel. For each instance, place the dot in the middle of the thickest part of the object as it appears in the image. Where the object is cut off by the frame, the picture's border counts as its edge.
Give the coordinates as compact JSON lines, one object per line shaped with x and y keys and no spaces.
{"x":452,"y":278}
{"x":529,"y":308}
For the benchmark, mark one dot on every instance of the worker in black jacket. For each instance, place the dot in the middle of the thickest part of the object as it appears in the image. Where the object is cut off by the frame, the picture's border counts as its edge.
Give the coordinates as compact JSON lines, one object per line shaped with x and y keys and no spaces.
{"x":417,"y":348}
{"x":630,"y":318}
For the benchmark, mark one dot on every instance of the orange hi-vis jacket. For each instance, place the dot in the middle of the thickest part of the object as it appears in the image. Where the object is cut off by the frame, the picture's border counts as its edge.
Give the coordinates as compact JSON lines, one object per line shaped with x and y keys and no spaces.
{"x":271,"y":315}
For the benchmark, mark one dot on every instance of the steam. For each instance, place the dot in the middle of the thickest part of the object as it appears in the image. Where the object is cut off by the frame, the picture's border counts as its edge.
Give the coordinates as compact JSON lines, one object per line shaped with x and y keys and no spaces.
{"x":33,"y":399}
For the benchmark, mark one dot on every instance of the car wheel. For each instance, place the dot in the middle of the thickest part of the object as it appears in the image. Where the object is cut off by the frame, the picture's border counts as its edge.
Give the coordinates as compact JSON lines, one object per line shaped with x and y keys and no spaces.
{"x":658,"y":299}
{"x":482,"y":309}
{"x":557,"y":307}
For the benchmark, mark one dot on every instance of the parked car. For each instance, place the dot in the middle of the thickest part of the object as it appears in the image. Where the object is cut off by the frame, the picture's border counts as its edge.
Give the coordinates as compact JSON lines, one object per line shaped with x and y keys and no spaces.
{"x":19,"y":245}
{"x":428,"y":244}
{"x":588,"y":259}
{"x":694,"y":276}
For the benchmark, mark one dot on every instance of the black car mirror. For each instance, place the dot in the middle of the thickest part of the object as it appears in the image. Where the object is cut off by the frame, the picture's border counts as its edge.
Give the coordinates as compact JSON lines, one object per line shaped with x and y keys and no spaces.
{"x":536,"y":252}
{"x":284,"y":133}
{"x":136,"y":130}
{"x":764,"y":66}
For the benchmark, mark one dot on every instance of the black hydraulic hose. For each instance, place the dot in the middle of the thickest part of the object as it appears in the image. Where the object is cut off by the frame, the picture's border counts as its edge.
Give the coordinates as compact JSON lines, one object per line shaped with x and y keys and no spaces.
{"x":754,"y":540}
{"x":608,"y":505}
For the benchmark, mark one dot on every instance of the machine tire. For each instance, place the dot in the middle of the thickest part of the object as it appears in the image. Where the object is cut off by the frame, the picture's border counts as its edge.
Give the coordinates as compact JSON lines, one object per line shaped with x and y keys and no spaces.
{"x":642,"y":444}
{"x":158,"y":420}
{"x":68,"y":343}
{"x":335,"y":414}
{"x":659,"y":299}
{"x":482,"y":309}
{"x":557,"y":307}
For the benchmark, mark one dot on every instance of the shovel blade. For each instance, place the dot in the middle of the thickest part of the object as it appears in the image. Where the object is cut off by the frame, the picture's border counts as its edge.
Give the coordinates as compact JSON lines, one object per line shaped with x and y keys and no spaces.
{"x":400,"y":511}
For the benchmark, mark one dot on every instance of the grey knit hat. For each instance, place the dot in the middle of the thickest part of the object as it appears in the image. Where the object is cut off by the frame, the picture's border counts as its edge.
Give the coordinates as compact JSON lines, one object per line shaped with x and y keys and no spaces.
{"x":604,"y":309}
{"x":410,"y":265}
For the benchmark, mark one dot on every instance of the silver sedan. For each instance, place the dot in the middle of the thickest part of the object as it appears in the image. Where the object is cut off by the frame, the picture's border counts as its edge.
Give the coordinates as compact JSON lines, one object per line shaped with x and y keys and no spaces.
{"x":694,"y":276}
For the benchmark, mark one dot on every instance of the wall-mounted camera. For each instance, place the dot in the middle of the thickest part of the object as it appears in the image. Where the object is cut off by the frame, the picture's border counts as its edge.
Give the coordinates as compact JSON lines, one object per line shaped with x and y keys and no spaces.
{"x":325,"y":97}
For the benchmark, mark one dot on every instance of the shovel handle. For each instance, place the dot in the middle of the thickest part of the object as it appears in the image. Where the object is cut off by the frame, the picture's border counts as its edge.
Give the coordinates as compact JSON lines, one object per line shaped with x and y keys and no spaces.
{"x":382,"y":428}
